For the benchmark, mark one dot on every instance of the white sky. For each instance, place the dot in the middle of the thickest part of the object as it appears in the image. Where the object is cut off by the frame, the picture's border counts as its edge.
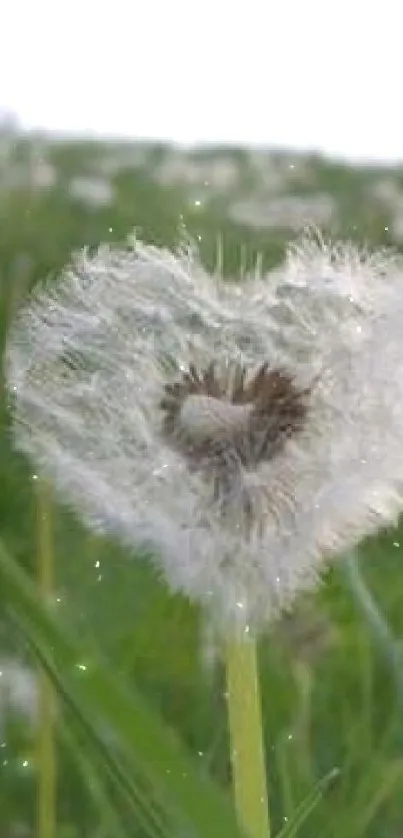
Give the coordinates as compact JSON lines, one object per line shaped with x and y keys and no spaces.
{"x":299,"y":73}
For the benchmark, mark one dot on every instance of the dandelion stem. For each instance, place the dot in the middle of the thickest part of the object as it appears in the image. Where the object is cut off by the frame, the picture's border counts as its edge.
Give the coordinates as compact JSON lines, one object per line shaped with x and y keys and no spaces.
{"x":246,"y":741}
{"x":46,"y":756}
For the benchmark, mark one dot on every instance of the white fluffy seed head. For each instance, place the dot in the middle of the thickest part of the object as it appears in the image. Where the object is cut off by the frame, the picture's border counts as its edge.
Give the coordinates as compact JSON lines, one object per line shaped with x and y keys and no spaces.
{"x":245,"y":433}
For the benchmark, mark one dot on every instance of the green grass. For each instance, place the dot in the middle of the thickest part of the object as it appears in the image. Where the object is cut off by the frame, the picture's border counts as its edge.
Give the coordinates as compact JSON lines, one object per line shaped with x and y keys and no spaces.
{"x":331,"y":676}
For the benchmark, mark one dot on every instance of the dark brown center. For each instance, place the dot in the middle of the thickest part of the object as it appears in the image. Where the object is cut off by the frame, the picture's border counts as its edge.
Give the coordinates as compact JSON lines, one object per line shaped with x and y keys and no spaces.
{"x":225,"y":422}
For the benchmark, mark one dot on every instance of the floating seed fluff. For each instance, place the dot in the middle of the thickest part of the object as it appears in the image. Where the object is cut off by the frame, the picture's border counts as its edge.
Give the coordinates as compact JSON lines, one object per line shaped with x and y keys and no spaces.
{"x":244,"y":434}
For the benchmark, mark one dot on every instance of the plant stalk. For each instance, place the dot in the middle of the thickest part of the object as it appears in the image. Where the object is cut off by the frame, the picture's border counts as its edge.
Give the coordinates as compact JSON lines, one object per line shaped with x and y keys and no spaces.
{"x":246,"y":737}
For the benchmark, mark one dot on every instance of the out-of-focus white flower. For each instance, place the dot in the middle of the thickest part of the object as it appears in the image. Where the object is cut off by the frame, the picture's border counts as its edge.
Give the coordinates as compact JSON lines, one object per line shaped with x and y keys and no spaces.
{"x":289,"y":212}
{"x":18,"y":690}
{"x":216,"y":174}
{"x":246,"y":433}
{"x":94,"y":191}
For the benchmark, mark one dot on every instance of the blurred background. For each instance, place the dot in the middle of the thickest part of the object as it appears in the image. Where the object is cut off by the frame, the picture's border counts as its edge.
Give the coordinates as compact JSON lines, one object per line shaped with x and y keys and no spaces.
{"x":237,"y":126}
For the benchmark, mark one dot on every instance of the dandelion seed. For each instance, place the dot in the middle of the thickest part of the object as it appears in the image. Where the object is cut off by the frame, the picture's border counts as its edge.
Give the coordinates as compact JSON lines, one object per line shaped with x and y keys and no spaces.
{"x":244,"y":434}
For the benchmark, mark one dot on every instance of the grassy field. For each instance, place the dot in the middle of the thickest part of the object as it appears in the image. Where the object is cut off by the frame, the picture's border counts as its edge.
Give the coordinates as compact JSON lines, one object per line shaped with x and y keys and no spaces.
{"x":332,"y":675}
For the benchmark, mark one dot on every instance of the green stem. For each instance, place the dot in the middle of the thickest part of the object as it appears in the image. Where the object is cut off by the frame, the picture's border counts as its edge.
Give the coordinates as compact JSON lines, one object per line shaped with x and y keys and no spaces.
{"x":46,"y":790}
{"x":245,"y":727}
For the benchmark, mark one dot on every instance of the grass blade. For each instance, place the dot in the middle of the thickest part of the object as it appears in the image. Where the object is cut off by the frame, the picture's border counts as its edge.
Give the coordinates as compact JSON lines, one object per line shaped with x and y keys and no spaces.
{"x":302,"y":812}
{"x":98,"y":694}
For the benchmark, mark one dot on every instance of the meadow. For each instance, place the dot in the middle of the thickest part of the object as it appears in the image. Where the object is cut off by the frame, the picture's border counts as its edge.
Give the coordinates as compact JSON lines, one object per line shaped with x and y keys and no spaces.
{"x":332,"y":672}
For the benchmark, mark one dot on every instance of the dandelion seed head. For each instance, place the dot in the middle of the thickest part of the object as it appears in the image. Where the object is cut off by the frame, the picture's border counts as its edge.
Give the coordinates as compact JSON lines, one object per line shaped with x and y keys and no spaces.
{"x":244,"y":434}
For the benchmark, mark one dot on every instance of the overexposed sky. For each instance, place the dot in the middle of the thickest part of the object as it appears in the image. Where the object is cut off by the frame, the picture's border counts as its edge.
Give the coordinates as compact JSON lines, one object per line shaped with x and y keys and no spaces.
{"x":297,"y":73}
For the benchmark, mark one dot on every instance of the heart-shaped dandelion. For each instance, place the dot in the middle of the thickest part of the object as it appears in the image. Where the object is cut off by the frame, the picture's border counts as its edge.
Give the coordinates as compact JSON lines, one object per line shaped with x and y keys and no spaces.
{"x":246,"y":433}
